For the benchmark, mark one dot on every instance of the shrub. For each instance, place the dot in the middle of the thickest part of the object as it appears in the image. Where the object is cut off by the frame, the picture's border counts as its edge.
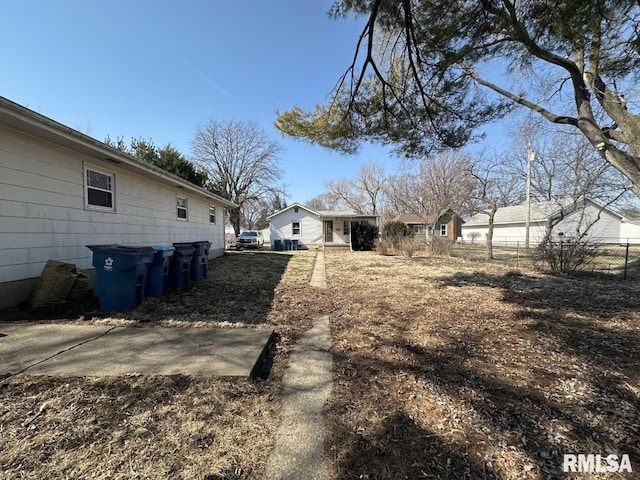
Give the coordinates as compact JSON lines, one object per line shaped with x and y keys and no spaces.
{"x":394,"y":232}
{"x":440,"y":246}
{"x":409,"y":246}
{"x":567,"y":256}
{"x":363,"y":235}
{"x":473,"y":236}
{"x":383,"y":247}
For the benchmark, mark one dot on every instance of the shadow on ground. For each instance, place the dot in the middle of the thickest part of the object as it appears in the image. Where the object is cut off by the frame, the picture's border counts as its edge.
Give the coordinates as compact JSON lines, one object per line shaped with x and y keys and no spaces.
{"x":553,"y":369}
{"x":137,"y":426}
{"x":240,"y":290}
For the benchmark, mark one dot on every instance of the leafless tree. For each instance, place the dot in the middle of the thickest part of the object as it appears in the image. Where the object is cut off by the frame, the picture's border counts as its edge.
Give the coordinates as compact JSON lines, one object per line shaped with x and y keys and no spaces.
{"x":241,"y":158}
{"x":343,"y":194}
{"x":324,"y":201}
{"x":442,"y":182}
{"x":370,"y":180}
{"x":565,"y":165}
{"x":254,"y":212}
{"x":362,"y":194}
{"x":494,"y":188}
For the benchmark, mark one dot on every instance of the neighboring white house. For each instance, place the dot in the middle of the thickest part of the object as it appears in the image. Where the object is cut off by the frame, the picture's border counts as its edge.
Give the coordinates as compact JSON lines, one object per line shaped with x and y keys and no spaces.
{"x":630,"y":230}
{"x":61,"y":190}
{"x":601,"y":224}
{"x":325,"y":227}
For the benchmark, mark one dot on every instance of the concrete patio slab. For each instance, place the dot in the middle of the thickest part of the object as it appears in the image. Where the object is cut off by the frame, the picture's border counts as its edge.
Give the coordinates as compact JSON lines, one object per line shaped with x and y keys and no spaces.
{"x":119,"y":351}
{"x":25,"y":345}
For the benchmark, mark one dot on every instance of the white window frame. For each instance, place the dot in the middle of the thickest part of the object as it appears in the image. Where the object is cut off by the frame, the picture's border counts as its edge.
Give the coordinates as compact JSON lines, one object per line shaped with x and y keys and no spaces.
{"x":293,"y":229}
{"x":87,"y":205}
{"x":212,"y":208}
{"x":443,"y":230}
{"x":186,"y":208}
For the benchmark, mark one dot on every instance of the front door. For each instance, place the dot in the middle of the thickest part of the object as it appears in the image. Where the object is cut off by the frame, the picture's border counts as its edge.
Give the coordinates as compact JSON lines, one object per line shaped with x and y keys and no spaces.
{"x":328,"y":231}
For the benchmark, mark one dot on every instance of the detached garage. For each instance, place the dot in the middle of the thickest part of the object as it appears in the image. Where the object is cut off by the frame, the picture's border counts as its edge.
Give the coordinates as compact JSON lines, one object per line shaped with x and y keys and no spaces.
{"x":61,"y":190}
{"x":567,"y":216}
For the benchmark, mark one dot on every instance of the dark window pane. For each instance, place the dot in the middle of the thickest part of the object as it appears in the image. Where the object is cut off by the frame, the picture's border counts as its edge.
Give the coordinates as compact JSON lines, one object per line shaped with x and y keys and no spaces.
{"x":182,"y":213}
{"x":99,"y":199}
{"x":98,"y":180}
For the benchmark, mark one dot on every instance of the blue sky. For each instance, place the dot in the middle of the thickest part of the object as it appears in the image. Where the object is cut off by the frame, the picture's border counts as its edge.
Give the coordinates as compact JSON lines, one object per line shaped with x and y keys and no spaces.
{"x":158,"y":69}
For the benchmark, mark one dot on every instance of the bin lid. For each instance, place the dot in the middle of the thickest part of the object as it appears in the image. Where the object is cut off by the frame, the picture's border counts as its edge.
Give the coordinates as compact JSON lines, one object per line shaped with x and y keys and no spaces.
{"x":98,"y":248}
{"x":202,"y":242}
{"x":162,"y":248}
{"x":120,"y":249}
{"x":184,"y":246}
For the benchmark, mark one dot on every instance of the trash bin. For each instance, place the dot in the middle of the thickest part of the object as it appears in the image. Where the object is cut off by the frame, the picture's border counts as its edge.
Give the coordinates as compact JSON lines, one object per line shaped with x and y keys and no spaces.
{"x":200,"y":261}
{"x":294,"y":244}
{"x":277,"y":245}
{"x":120,"y":275}
{"x":180,"y":265}
{"x":158,"y":271}
{"x":287,"y":244}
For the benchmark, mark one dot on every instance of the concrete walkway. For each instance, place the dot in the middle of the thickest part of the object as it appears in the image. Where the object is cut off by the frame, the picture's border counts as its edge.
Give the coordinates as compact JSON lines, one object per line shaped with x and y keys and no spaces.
{"x":299,"y":449}
{"x":89,"y":350}
{"x":319,"y":275}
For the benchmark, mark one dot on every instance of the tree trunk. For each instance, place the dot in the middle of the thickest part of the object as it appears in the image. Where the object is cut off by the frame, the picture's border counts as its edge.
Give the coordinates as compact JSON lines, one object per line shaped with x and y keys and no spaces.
{"x":492,"y":213}
{"x":234,"y":219}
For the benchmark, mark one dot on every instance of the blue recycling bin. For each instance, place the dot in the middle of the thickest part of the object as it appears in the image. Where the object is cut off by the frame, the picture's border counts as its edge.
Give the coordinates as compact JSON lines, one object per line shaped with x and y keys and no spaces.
{"x":158,"y":271}
{"x":120,"y":275}
{"x":294,"y":244}
{"x":180,"y":266}
{"x":287,"y":244}
{"x":200,"y":260}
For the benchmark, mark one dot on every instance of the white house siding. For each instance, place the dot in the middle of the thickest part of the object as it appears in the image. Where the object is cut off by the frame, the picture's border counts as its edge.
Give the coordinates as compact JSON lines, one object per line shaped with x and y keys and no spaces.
{"x":605,"y":229}
{"x":630,"y":232}
{"x":310,"y":226}
{"x":43,"y":215}
{"x":506,"y":234}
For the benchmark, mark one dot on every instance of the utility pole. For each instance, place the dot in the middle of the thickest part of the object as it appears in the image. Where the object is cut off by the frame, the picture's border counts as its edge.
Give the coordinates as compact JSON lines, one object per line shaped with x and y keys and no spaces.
{"x":530,"y":159}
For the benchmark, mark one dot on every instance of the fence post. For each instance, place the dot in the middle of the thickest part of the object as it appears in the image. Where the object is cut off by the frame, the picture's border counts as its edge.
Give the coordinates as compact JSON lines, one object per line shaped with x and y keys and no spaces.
{"x":626,"y":261}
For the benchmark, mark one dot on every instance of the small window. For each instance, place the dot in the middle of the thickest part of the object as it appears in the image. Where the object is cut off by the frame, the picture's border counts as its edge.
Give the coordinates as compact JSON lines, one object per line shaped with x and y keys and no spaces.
{"x":99,"y":189}
{"x":181,"y":208}
{"x":443,"y":230}
{"x":212,"y":214}
{"x":345,"y":227}
{"x":295,"y":209}
{"x":295,"y":228}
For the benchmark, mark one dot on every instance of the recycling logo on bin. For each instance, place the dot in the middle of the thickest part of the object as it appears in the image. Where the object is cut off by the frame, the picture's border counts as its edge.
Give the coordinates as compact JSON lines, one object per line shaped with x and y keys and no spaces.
{"x":108,"y":264}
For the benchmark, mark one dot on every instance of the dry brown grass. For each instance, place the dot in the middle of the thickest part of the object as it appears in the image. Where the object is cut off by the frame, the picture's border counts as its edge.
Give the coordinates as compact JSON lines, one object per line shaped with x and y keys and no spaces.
{"x":139,"y":427}
{"x":164,"y":427}
{"x":451,"y":369}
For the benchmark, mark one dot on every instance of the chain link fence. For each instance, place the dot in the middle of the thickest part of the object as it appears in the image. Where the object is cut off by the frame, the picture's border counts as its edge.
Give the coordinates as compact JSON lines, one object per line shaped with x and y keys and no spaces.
{"x":621,"y":260}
